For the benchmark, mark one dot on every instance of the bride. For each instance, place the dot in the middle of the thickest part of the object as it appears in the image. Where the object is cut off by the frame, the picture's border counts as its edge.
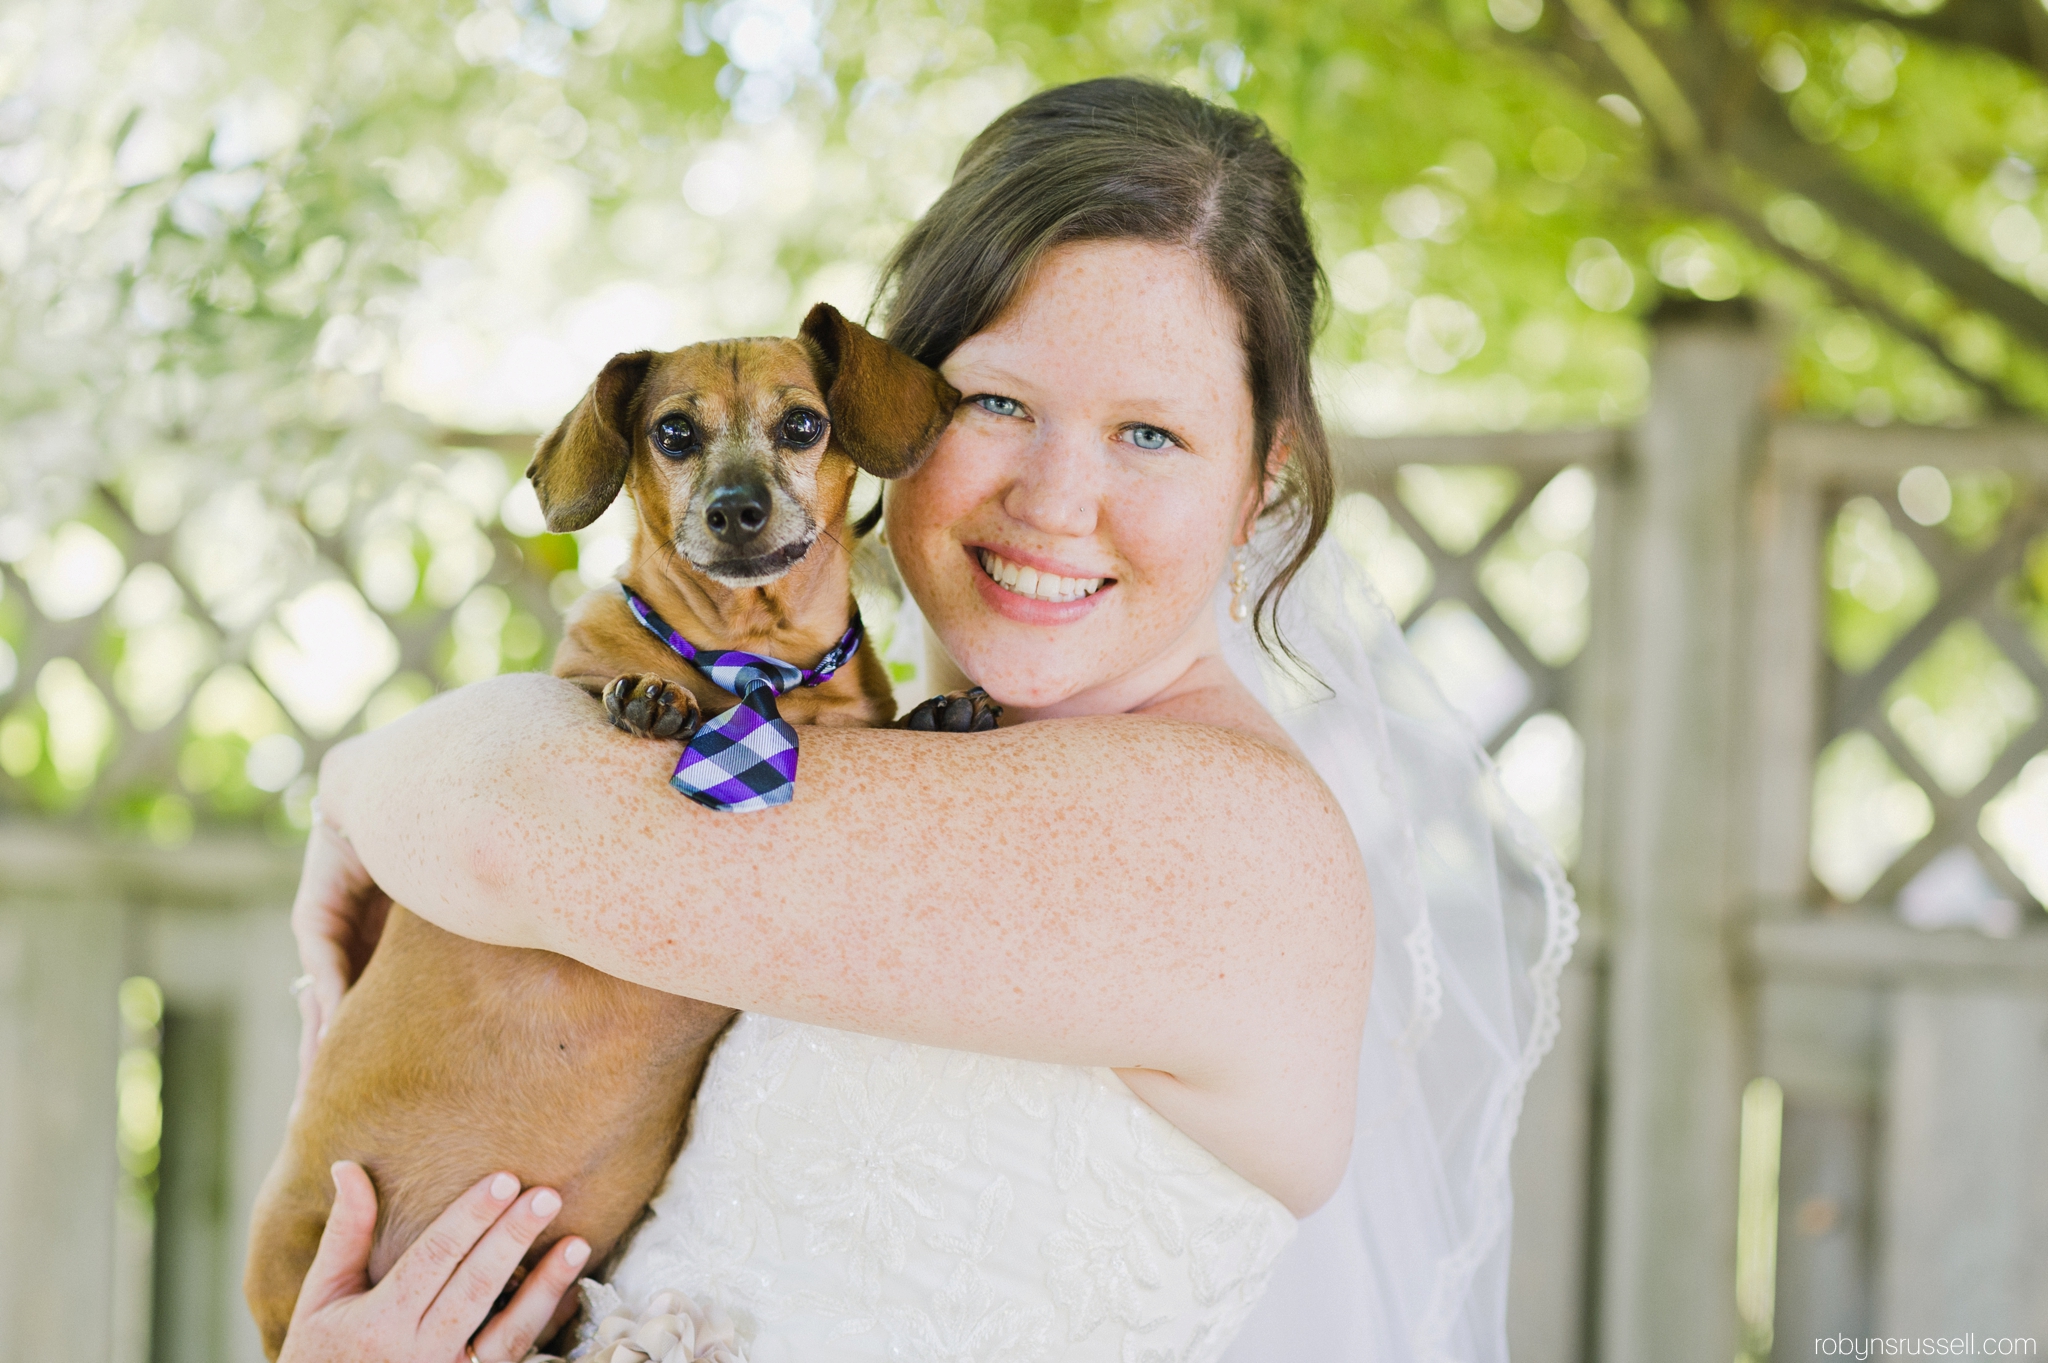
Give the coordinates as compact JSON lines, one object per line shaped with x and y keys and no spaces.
{"x":1050,"y":1035}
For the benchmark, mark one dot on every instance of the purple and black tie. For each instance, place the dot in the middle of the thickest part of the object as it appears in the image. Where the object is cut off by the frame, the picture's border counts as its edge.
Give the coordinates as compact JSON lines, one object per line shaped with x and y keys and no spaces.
{"x":744,"y":759}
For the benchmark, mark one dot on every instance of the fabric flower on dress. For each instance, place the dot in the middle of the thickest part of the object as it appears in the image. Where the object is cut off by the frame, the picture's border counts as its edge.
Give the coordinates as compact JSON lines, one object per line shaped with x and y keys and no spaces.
{"x":673,"y":1329}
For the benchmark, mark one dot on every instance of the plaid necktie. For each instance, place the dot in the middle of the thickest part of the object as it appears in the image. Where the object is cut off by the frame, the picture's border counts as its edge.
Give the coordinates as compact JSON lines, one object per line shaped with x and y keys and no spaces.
{"x":744,"y":759}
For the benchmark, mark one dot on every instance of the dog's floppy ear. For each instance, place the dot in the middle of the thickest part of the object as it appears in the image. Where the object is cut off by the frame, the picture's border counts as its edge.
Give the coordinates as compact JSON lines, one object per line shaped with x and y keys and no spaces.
{"x":579,"y":467}
{"x":887,"y":409}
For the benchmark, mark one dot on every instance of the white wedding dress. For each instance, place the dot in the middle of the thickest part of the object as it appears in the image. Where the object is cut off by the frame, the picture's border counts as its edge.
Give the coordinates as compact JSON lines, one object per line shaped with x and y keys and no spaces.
{"x":847,"y":1198}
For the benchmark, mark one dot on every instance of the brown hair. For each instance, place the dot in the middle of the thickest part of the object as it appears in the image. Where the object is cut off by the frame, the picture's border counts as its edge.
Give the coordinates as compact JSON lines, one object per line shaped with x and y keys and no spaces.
{"x":1118,"y":159}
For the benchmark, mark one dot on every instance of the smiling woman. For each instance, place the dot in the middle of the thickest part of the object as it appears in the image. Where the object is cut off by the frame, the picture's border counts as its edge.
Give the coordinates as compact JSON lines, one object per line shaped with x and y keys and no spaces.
{"x":1049,"y":1034}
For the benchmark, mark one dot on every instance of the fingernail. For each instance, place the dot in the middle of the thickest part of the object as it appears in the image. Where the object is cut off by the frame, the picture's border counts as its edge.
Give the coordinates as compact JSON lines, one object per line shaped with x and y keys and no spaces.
{"x":334,"y":1171}
{"x":576,"y":1253}
{"x":546,"y":1202}
{"x":503,"y":1187}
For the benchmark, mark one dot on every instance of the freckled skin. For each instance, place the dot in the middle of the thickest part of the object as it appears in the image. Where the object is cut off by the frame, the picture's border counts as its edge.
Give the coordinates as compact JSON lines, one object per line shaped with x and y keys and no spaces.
{"x":1143,"y":874}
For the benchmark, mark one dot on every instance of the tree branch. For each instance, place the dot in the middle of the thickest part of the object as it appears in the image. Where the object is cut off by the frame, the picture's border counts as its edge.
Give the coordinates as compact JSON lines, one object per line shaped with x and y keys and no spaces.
{"x":1767,"y":143}
{"x":2014,"y":29}
{"x":1717,"y":202}
{"x":1757,"y":135}
{"x":1656,"y":89}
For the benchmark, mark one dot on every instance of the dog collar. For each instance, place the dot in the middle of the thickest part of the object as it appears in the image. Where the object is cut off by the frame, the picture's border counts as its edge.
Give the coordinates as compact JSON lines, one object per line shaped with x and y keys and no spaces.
{"x":744,"y":759}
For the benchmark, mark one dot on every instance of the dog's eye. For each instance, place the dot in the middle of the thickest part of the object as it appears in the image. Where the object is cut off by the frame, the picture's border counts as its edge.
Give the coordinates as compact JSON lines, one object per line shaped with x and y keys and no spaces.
{"x":802,"y":427}
{"x":674,"y":435}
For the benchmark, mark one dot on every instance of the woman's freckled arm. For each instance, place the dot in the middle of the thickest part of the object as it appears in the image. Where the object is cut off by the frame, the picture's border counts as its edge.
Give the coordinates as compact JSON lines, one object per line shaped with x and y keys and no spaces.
{"x":958,"y":890}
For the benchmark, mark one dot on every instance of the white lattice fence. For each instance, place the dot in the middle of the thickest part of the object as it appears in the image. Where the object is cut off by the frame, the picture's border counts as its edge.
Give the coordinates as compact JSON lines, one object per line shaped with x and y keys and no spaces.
{"x":1937,"y":662}
{"x":166,"y":668}
{"x":1900,"y":969}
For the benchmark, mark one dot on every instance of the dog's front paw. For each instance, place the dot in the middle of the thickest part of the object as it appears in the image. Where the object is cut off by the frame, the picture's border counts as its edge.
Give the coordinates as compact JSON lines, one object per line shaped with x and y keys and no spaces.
{"x":651,"y":707}
{"x":957,"y":712}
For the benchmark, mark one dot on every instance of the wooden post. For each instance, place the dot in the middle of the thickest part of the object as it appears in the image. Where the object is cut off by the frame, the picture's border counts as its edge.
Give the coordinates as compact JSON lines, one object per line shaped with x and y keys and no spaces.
{"x":1816,"y":1038}
{"x":1965,"y":1206}
{"x":1822,"y":1039}
{"x":60,"y":970}
{"x":1671,"y":875}
{"x":1546,"y":1275}
{"x":232,"y":966}
{"x":77,"y":915}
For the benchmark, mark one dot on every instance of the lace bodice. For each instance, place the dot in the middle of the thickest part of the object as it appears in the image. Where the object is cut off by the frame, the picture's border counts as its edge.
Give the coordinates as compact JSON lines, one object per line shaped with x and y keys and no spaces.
{"x":847,"y":1198}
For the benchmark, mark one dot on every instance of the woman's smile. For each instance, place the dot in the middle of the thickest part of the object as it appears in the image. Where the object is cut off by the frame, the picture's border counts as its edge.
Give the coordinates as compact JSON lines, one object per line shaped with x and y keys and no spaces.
{"x":1032,"y":589}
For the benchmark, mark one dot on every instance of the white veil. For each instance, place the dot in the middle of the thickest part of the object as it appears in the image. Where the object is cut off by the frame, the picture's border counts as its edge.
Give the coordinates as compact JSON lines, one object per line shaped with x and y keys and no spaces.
{"x":1408,"y":1263}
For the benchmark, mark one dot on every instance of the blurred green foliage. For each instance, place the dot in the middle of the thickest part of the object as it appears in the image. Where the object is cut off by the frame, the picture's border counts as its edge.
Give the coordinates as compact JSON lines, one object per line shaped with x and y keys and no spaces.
{"x":244,"y":203}
{"x":273,"y":275}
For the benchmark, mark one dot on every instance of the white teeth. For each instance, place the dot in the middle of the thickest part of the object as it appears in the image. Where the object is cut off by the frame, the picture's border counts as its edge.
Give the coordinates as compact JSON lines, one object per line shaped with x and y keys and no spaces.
{"x":1032,"y":583}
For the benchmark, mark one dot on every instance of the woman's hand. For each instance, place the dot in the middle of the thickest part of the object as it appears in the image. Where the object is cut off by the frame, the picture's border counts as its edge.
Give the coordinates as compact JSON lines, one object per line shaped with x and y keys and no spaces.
{"x":337,"y":918}
{"x":430,"y":1305}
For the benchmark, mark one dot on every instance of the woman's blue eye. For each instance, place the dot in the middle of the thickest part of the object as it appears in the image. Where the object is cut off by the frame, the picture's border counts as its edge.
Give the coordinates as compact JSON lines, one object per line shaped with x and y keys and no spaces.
{"x":1150,"y":438}
{"x":996,"y":406}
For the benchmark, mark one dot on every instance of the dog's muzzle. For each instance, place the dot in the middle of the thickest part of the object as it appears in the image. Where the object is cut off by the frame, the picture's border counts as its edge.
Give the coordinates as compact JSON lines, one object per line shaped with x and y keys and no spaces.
{"x":760,"y":568}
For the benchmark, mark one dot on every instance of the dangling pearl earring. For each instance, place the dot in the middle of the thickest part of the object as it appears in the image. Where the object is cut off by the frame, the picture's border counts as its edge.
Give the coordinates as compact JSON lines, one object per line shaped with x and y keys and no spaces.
{"x":1238,"y":609}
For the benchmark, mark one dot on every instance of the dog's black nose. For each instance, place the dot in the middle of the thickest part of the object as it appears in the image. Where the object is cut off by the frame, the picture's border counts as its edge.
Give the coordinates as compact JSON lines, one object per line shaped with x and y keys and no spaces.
{"x":738,"y":510}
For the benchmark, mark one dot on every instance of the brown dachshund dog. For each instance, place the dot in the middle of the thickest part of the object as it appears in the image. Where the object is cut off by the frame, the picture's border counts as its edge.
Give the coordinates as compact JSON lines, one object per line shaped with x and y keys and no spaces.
{"x":449,"y":1058}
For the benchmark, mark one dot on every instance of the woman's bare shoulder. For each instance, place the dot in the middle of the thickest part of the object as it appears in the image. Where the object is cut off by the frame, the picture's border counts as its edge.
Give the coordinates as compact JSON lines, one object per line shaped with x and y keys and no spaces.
{"x":1212,"y":695}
